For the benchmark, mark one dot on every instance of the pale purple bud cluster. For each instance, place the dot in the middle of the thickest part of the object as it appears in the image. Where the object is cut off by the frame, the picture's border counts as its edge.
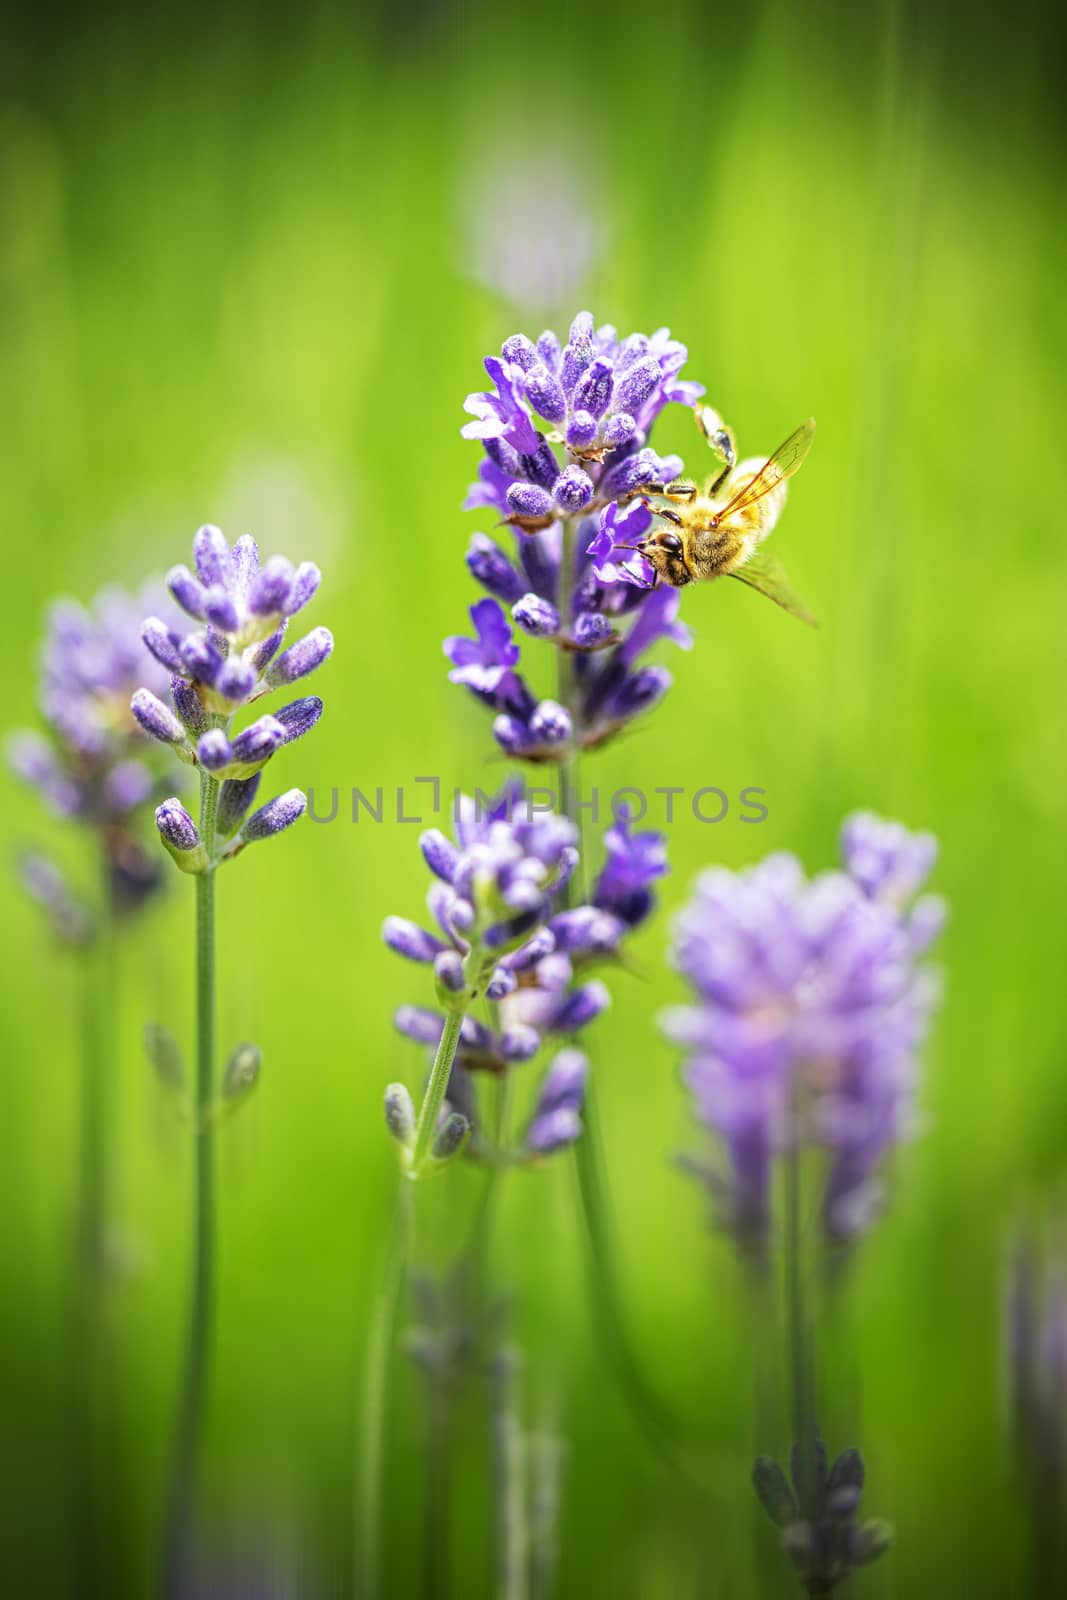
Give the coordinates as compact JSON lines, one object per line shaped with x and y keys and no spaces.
{"x":234,"y":659}
{"x":244,"y":608}
{"x":92,"y":763}
{"x":818,"y":1520}
{"x":809,"y":1013}
{"x":509,"y":861}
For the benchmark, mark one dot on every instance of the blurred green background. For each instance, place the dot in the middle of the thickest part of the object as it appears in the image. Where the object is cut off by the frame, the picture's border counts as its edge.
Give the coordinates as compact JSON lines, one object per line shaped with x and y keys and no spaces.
{"x":240,"y":282}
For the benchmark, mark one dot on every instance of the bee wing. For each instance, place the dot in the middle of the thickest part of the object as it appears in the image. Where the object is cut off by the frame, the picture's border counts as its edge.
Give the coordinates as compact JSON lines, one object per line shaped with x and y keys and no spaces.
{"x":765,"y":572}
{"x":782,"y":465}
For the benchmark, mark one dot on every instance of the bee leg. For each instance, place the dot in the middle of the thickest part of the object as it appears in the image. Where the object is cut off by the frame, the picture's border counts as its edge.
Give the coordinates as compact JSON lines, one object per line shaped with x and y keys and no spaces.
{"x":668,"y":515}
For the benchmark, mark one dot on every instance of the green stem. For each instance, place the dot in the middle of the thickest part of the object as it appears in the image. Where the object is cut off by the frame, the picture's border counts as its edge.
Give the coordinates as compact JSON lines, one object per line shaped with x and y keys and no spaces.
{"x":435,"y":1090}
{"x":607,"y":1299}
{"x":437,"y":1492}
{"x":375,"y":1391}
{"x":509,"y":1480}
{"x":90,"y":1238}
{"x":180,"y":1518}
{"x":798,"y":1339}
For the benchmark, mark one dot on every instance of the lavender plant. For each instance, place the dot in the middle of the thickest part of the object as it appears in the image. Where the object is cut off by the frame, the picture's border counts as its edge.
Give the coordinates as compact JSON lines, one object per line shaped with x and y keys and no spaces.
{"x":506,"y":939}
{"x":228,"y":663}
{"x":811,"y":1006}
{"x":565,"y":431}
{"x":815,"y":1510}
{"x":93,"y":767}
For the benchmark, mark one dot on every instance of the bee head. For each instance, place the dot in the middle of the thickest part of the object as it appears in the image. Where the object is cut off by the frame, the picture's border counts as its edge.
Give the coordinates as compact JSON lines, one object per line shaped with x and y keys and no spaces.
{"x":665,"y":551}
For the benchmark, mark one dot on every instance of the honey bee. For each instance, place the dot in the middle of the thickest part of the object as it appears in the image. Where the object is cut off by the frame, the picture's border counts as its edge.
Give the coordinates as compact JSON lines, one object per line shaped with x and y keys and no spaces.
{"x":718,"y":532}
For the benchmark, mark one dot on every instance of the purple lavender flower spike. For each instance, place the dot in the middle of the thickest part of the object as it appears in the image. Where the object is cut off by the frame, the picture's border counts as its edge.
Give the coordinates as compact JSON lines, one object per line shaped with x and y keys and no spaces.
{"x":233,"y":662}
{"x":807,"y":996}
{"x":301,"y":658}
{"x":95,"y":765}
{"x":603,"y":394}
{"x":157,"y":720}
{"x":500,"y":921}
{"x":275,"y":816}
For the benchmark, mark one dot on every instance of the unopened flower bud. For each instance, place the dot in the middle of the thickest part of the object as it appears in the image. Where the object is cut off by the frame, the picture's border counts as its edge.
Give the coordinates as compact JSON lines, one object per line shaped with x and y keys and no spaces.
{"x":450,"y":1137}
{"x":242,"y":1071}
{"x":399,"y":1113}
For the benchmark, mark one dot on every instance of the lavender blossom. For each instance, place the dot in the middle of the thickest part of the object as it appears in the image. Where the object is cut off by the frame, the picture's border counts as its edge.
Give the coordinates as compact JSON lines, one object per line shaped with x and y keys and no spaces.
{"x":810,"y":1011}
{"x":498,"y":928}
{"x":601,"y":396}
{"x":93,"y":764}
{"x":230,"y":662}
{"x":819,"y":1525}
{"x":493,"y":893}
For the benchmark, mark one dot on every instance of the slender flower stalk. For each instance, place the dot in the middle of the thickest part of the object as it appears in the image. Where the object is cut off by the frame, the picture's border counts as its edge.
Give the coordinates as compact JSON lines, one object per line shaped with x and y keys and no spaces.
{"x":505,"y":937}
{"x":93,"y":768}
{"x":231,"y":662}
{"x":596,"y":400}
{"x":811,"y":1005}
